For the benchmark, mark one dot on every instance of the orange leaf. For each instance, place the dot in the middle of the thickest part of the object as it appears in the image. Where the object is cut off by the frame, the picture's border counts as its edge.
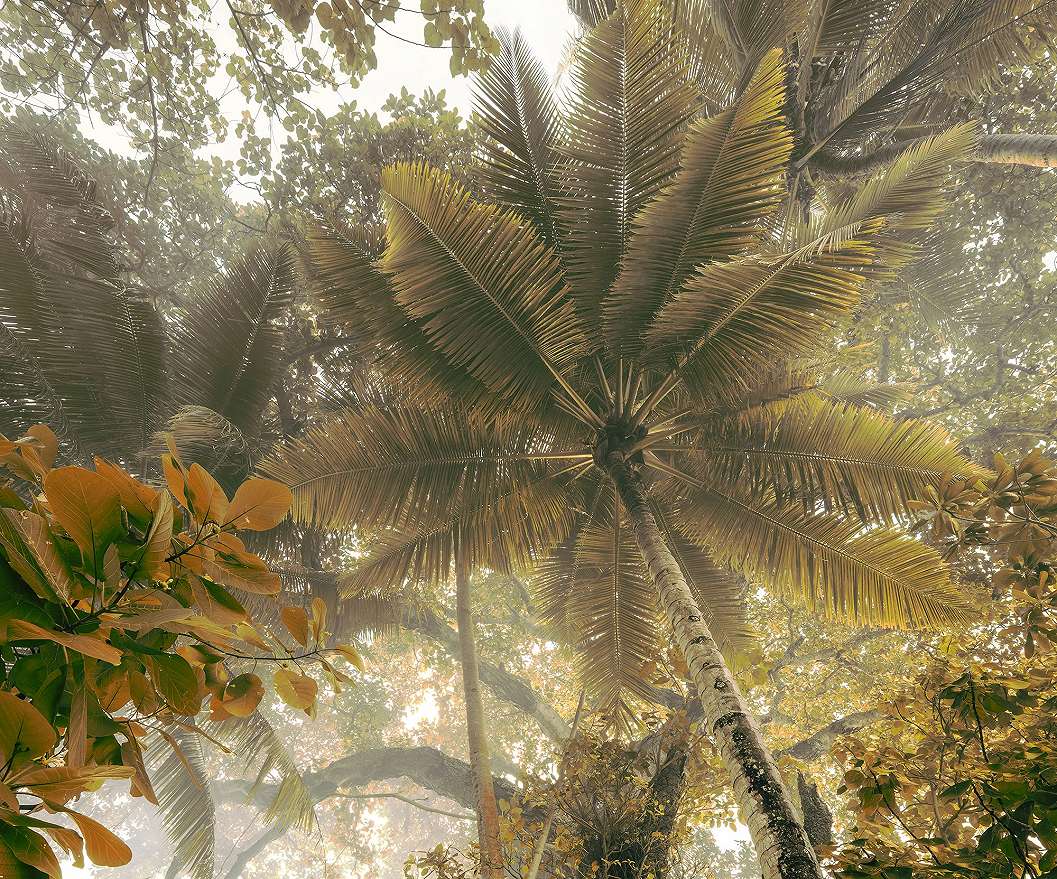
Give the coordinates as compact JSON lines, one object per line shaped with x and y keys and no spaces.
{"x":103,"y":847}
{"x":242,"y":695}
{"x":208,"y":501}
{"x":88,"y":645}
{"x":296,"y":621}
{"x":260,"y":504}
{"x":88,"y":506}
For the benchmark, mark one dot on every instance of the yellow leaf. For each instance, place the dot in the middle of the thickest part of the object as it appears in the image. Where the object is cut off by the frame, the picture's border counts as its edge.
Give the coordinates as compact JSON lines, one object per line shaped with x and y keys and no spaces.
{"x":103,"y":847}
{"x":260,"y":504}
{"x":296,"y":621}
{"x":319,"y":617}
{"x":88,"y":506}
{"x":208,"y":501}
{"x":247,"y":633}
{"x":242,"y":695}
{"x":88,"y":645}
{"x":352,"y":655}
{"x":296,"y":690}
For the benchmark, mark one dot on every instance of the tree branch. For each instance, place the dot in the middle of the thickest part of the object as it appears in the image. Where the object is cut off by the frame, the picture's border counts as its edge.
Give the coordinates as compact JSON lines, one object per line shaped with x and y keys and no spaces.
{"x":819,"y":742}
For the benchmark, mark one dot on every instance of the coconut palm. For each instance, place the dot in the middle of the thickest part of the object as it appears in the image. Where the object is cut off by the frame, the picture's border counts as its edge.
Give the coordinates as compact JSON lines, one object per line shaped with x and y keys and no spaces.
{"x":599,"y":369}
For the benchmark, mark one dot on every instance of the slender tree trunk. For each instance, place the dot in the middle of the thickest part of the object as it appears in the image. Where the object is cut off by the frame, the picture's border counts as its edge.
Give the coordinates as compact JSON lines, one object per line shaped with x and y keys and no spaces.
{"x":1035,"y":150}
{"x":480,"y":765}
{"x":778,"y":835}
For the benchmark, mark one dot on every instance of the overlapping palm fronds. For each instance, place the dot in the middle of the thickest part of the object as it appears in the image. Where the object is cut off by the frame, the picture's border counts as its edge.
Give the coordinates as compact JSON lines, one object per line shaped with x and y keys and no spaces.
{"x":662,"y":306}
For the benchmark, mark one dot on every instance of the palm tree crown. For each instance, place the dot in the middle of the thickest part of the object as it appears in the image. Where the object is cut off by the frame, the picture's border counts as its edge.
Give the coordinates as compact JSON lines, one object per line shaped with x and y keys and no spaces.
{"x":630,"y":292}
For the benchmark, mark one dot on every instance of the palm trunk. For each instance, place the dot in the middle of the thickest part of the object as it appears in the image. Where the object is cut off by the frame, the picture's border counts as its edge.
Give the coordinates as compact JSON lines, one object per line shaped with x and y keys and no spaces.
{"x":480,"y":766}
{"x":778,"y":835}
{"x":1035,"y":150}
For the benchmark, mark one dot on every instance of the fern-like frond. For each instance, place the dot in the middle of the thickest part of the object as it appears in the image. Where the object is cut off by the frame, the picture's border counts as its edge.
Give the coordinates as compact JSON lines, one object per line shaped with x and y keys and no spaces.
{"x":875,"y":576}
{"x":853,"y":459}
{"x":731,"y":173}
{"x":258,"y":746}
{"x":490,"y":294}
{"x":405,"y":466}
{"x":631,"y":99}
{"x":89,"y":347}
{"x":522,"y":129}
{"x":227,"y":349}
{"x":181,"y":782}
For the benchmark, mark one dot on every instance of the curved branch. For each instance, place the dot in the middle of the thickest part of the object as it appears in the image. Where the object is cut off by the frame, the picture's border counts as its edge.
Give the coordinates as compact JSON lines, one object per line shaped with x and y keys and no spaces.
{"x":506,"y":686}
{"x":817,"y":744}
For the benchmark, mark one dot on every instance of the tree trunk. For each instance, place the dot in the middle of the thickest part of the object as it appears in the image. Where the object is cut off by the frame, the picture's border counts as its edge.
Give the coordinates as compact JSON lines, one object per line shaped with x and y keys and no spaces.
{"x":1035,"y":150}
{"x":778,"y":835}
{"x":487,"y":810}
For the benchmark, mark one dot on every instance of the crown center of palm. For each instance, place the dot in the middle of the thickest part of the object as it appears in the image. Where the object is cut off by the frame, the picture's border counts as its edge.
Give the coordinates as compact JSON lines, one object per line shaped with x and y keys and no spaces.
{"x":615,"y":441}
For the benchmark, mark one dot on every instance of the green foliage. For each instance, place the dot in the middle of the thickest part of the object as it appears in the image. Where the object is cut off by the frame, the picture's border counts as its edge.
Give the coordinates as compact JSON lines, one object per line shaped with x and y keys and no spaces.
{"x":175,"y":57}
{"x":961,"y":778}
{"x":123,"y":609}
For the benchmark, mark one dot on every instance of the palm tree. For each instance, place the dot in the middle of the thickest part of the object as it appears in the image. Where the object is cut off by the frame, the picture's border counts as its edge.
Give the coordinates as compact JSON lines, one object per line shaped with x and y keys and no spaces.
{"x":601,"y":370}
{"x":870,"y":76}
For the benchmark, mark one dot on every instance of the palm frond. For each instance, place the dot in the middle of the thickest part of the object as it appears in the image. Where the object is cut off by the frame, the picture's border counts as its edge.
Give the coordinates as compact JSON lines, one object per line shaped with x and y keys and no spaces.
{"x":786,"y":387}
{"x":612,"y":610}
{"x":406,"y":466}
{"x":181,"y":782}
{"x":734,"y":320}
{"x":876,"y":88}
{"x":354,"y":293}
{"x":258,"y":745}
{"x":518,"y":116}
{"x":631,"y":99}
{"x":227,"y":349}
{"x":855,"y":459}
{"x":489,"y":293}
{"x":90,"y":347}
{"x":909,"y":195}
{"x":731,"y":173}
{"x":507,"y":533}
{"x":838,"y":569}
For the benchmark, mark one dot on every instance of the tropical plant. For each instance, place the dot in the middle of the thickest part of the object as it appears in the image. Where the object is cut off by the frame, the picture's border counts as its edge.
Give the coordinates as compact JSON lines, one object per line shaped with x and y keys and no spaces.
{"x":868,"y":79}
{"x":120,"y":615}
{"x":603,"y":371}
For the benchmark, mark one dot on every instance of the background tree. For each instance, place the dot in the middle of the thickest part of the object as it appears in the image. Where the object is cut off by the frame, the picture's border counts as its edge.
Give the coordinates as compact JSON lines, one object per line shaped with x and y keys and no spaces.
{"x":405,"y":469}
{"x":161,"y":71}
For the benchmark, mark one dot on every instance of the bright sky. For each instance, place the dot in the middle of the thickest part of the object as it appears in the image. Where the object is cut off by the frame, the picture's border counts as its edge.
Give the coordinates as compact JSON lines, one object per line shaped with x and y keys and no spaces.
{"x":546,"y":23}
